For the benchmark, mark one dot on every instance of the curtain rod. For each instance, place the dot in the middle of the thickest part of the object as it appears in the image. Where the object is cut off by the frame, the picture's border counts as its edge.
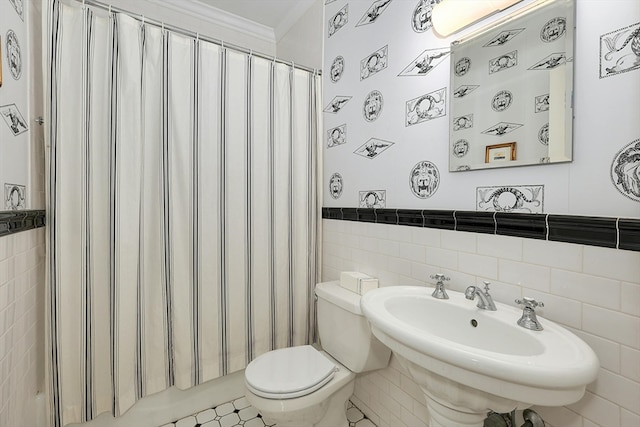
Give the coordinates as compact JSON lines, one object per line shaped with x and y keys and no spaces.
{"x":192,"y":34}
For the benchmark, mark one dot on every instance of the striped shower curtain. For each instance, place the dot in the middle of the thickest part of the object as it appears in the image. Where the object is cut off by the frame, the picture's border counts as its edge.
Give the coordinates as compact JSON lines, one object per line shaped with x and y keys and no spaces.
{"x":182,"y":209}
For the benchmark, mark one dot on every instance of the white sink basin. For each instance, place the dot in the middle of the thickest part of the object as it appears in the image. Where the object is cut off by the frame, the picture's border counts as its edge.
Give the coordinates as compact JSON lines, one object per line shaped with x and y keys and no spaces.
{"x":459,"y":353}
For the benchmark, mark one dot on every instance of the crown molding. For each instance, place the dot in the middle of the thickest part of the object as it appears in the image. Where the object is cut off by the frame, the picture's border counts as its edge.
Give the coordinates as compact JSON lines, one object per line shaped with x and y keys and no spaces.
{"x":221,"y":18}
{"x":301,"y":7}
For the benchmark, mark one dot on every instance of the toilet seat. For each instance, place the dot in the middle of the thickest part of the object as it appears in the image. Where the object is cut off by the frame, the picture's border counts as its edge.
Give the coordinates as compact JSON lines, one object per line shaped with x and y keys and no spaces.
{"x":289,"y":372}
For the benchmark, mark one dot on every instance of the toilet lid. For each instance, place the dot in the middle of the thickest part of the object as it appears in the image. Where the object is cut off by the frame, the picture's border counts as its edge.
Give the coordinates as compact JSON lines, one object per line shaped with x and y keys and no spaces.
{"x":289,"y":372}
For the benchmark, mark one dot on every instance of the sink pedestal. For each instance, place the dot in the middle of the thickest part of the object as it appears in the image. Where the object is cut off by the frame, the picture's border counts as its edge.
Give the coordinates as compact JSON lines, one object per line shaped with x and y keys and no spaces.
{"x":452,"y":404}
{"x":443,"y":416}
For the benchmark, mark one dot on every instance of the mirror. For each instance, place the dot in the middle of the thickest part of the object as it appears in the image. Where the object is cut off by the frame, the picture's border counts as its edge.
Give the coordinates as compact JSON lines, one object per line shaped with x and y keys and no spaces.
{"x":512,"y":90}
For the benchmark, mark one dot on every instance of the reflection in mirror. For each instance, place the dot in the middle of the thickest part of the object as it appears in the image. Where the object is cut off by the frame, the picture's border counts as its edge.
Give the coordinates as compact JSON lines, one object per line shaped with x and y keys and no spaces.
{"x":512,"y":89}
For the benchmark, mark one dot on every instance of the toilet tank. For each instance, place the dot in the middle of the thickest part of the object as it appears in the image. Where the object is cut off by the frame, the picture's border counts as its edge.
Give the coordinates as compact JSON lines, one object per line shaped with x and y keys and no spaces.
{"x":344,"y":331}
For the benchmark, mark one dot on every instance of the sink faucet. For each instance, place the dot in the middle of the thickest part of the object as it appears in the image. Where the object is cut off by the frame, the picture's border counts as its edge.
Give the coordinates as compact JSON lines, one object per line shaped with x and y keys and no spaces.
{"x":440,"y":292}
{"x":485,"y":301}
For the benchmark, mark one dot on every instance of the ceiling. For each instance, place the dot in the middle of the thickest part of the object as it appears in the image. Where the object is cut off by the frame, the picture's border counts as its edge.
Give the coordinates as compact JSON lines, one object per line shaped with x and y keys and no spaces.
{"x":278,"y":15}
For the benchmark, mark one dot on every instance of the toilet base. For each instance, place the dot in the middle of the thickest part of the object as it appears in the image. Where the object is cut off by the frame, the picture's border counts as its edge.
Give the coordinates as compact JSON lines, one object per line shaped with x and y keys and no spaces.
{"x":330,"y":413}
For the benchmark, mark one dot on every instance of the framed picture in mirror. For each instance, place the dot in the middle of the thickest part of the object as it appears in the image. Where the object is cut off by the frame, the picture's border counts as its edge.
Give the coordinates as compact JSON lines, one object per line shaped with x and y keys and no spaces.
{"x":500,"y":152}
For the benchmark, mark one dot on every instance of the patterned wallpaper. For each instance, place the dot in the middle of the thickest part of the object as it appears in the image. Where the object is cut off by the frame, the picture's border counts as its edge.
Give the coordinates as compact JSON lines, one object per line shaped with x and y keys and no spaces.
{"x":387,"y":95}
{"x":14,"y":106}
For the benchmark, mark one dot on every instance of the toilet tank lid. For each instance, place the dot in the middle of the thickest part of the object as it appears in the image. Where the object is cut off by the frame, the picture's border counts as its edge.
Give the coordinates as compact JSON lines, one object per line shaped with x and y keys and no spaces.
{"x":336,"y":294}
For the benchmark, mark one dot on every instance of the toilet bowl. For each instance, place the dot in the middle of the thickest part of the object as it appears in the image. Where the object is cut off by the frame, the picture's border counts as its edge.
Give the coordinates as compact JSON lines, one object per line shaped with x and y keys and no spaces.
{"x":304,"y":397}
{"x":305,"y":387}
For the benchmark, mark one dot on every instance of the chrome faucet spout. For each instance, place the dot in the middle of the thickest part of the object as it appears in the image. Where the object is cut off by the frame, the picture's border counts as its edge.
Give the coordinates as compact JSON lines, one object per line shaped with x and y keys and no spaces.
{"x":470,"y":292}
{"x":485,"y":301}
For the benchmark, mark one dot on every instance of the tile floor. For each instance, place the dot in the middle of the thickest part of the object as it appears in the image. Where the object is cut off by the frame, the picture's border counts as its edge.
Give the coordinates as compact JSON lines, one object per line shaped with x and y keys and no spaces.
{"x":240,"y":413}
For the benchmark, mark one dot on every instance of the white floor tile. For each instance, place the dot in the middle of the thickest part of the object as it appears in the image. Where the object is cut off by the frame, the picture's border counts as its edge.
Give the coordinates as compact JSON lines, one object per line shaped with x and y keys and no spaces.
{"x":187,"y":422}
{"x":248,"y":413}
{"x":241,"y":403}
{"x":206,"y":416}
{"x":229,"y":420}
{"x":256,"y":422}
{"x":224,"y":409}
{"x":354,"y":415}
{"x":240,"y":413}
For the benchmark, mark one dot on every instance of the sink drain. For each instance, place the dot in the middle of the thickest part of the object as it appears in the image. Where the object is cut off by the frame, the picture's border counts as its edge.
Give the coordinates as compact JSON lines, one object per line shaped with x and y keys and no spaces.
{"x":474,"y":322}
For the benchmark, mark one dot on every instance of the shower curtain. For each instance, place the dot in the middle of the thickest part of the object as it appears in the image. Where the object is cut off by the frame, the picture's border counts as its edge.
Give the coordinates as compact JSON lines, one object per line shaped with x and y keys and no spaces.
{"x":182,"y":209}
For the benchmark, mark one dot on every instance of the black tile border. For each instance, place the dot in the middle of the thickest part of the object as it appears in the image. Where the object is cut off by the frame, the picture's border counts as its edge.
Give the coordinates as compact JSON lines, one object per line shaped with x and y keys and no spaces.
{"x":629,"y":237}
{"x":350,"y":214}
{"x":531,"y":226}
{"x":410,"y":217}
{"x":366,"y":215}
{"x":16,"y":221}
{"x":594,"y":231}
{"x":444,"y":220}
{"x":476,"y":222}
{"x":608,"y":232}
{"x":621,"y":233}
{"x":386,"y":216}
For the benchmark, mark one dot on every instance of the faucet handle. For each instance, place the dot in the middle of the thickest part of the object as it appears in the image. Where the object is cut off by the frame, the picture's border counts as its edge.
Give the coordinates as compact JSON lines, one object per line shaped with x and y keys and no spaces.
{"x":529,"y":303}
{"x":439,"y":292}
{"x":486,"y":286}
{"x":440,"y":277}
{"x":529,"y":319}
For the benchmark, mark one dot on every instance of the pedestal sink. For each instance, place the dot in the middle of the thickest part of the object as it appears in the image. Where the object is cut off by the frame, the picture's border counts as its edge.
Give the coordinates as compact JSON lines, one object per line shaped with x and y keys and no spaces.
{"x":468,"y":361}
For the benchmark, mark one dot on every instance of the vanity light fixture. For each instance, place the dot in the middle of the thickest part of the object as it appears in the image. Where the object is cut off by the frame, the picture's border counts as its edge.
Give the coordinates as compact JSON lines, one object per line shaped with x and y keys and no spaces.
{"x":450,"y":16}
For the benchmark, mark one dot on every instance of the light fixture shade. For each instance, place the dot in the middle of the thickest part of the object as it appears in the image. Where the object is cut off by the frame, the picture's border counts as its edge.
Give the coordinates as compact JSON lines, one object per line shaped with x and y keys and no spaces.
{"x":450,"y":16}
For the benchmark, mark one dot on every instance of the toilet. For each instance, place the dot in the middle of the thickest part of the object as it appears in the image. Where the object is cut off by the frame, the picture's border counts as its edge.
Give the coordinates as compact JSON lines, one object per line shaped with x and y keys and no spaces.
{"x":305,"y":387}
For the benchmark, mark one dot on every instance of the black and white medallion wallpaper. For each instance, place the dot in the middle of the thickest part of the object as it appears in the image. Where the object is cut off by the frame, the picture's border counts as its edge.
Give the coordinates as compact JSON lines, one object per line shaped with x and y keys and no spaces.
{"x":14,"y":104}
{"x":387,"y":81}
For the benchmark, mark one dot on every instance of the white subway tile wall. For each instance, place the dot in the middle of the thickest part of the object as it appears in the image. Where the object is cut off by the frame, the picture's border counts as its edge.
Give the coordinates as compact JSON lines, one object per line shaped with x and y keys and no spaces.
{"x":21,"y":325}
{"x":594,"y":292}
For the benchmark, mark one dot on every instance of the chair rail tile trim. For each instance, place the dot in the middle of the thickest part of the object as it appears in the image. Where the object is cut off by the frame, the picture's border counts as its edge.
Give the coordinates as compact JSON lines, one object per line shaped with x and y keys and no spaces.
{"x":16,"y":221}
{"x":609,"y":232}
